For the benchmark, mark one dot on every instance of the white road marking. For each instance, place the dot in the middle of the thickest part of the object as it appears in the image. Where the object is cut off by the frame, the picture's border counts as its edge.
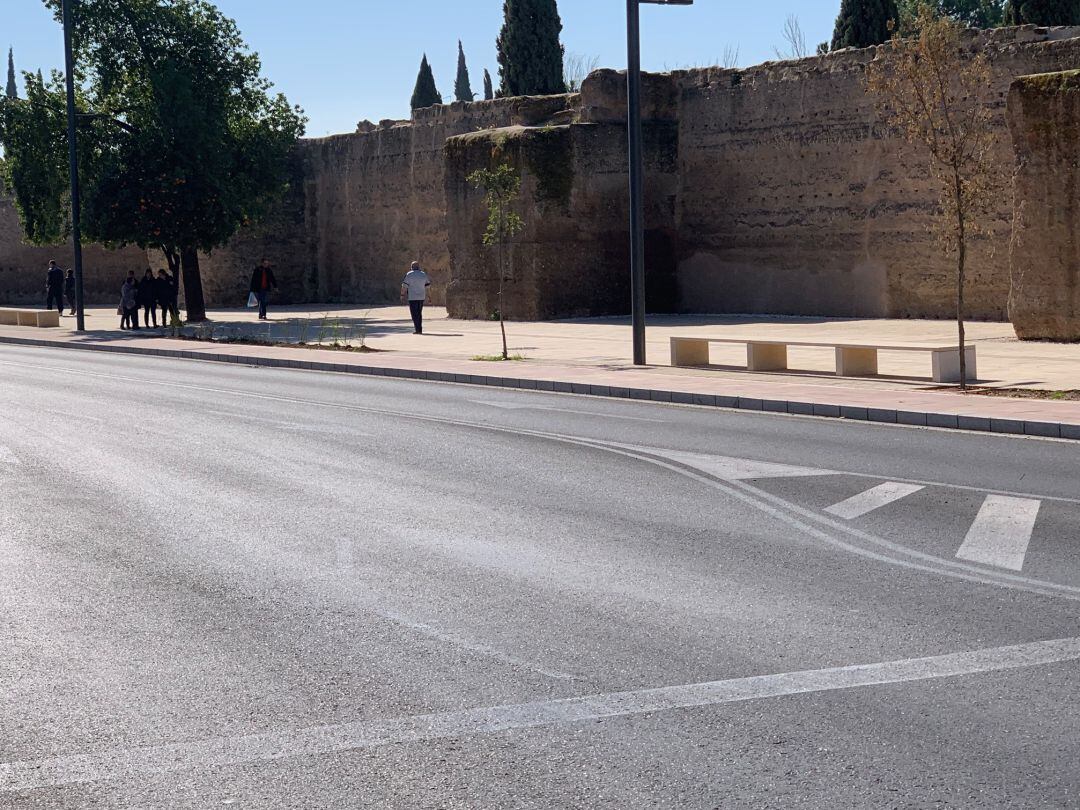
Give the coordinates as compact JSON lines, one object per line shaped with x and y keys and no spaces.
{"x":871,"y":499}
{"x":597,"y":414}
{"x":7,"y":457}
{"x":1001,"y":532}
{"x":328,"y":739}
{"x":726,"y":467}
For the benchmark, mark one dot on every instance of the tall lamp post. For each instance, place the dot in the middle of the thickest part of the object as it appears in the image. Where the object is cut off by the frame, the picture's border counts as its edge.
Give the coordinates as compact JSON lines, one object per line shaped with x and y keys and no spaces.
{"x":73,"y":156}
{"x":637,"y":170}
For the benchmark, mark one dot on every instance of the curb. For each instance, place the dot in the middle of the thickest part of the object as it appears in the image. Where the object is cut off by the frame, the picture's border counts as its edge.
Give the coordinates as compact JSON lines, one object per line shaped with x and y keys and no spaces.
{"x":948,"y":421}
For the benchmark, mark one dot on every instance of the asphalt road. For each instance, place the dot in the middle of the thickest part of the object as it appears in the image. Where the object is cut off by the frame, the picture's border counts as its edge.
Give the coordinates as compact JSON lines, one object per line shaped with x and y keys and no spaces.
{"x":229,"y":586}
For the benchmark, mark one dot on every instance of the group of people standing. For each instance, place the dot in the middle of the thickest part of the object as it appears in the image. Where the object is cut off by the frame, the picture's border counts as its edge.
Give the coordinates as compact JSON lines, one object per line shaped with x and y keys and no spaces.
{"x":149,"y":294}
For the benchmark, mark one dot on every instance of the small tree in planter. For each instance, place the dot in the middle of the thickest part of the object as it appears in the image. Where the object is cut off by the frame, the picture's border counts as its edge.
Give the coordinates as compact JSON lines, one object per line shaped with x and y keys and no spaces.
{"x":930,"y":88}
{"x":501,"y":186}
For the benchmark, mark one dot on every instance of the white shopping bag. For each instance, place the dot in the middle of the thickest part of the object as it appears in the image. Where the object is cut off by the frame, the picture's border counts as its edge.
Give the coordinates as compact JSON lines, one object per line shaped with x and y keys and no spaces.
{"x":253,"y":301}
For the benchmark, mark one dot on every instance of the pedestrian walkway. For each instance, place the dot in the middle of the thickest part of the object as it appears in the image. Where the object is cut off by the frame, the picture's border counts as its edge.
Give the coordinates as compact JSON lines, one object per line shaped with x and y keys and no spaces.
{"x":592,"y":357}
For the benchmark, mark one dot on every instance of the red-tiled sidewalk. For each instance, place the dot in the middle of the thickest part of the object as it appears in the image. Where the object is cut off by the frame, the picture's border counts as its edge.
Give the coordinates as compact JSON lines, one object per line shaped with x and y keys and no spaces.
{"x":796,"y":395}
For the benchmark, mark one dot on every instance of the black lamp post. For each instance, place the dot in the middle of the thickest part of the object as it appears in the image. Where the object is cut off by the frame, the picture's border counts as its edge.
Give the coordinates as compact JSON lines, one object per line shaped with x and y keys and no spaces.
{"x":73,"y":156}
{"x":637,"y":170}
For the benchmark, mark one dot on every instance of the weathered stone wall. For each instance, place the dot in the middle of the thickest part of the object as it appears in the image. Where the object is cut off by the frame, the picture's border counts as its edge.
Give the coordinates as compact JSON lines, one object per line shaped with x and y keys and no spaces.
{"x":794,"y":199}
{"x":773,"y":189}
{"x":23,"y":266}
{"x":366,"y":204}
{"x":1044,"y":116}
{"x":571,"y":258}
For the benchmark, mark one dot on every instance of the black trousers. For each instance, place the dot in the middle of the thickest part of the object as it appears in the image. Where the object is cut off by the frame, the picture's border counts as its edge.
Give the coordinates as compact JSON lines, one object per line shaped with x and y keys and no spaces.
{"x":56,"y":295}
{"x":149,"y":314}
{"x":416,"y":309}
{"x":130,"y":318}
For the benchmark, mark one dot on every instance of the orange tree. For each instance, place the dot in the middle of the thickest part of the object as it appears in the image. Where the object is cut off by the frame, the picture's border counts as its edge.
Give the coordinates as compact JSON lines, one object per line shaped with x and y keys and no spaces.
{"x":181,"y":140}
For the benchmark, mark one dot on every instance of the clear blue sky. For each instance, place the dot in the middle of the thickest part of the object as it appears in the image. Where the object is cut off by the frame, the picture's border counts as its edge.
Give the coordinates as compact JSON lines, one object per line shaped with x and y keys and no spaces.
{"x":345,"y":60}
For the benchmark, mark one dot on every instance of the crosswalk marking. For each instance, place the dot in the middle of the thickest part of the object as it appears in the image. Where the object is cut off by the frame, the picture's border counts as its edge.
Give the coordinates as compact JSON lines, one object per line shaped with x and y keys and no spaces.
{"x":1001,"y":532}
{"x":871,"y":499}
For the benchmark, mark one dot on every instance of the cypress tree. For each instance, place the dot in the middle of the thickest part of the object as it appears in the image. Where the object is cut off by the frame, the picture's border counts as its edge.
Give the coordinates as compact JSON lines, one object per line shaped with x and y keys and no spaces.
{"x":426,"y":94}
{"x":862,"y":23}
{"x":530,"y":54}
{"x":12,"y":88}
{"x":1042,"y":12}
{"x":489,"y":91}
{"x":462,"y":85}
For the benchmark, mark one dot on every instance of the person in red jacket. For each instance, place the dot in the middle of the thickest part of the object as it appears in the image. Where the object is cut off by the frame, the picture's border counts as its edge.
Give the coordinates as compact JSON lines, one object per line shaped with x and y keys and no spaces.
{"x":262,"y":282}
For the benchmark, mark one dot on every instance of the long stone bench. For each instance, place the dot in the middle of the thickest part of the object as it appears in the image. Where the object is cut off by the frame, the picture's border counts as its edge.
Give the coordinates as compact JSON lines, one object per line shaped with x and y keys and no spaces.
{"x":852,"y":359}
{"x":29,"y":317}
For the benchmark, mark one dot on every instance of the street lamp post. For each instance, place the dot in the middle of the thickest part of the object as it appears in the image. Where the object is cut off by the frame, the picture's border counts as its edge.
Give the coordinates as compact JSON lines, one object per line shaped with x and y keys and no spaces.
{"x":73,"y":156}
{"x":637,"y":170}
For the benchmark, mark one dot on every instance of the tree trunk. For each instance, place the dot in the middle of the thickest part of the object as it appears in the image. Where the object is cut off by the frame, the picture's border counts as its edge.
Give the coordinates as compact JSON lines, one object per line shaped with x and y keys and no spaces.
{"x":502,"y":314}
{"x":193,"y":291}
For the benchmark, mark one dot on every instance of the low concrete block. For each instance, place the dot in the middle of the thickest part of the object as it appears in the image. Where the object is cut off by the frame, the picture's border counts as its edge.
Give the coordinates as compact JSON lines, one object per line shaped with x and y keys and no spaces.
{"x":660,"y":396}
{"x":972,"y":423}
{"x":1070,"y":431}
{"x":942,"y":420}
{"x":622,"y":393}
{"x":727,"y":402}
{"x":750,"y":404}
{"x":881,"y":415}
{"x":682,"y":398}
{"x":826,"y":410}
{"x":848,"y":412}
{"x":1048,"y":429}
{"x":916,"y":418}
{"x":801,"y":408}
{"x":774,"y":405}
{"x":708,"y":400}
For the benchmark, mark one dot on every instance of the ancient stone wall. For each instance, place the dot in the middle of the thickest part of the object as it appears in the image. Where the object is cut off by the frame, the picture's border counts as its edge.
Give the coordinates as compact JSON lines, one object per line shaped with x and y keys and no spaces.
{"x":366,"y":204}
{"x":23,"y":266}
{"x":571,"y":258}
{"x":773,"y":189}
{"x":1044,"y":116}
{"x":794,"y":199}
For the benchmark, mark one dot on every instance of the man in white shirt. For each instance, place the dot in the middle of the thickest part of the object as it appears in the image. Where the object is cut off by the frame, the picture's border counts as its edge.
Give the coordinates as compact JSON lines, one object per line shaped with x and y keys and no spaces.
{"x":414,"y":289}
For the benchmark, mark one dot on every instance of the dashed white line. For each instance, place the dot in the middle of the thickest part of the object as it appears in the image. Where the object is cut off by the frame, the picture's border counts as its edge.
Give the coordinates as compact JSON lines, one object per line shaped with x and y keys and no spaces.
{"x":871,"y":499}
{"x":1001,"y":532}
{"x":328,"y":739}
{"x":7,"y":457}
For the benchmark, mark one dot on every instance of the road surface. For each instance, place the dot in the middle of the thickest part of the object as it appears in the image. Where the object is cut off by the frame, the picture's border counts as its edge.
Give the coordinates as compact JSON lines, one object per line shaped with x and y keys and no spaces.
{"x":230,"y":586}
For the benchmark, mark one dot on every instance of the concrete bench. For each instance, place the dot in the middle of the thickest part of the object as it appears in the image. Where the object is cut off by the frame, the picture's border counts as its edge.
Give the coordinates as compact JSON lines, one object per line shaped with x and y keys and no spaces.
{"x":29,"y":317}
{"x":852,"y":359}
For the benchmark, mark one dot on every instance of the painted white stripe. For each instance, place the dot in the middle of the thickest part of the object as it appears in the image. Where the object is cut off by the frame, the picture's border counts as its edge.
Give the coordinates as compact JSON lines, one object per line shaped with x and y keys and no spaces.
{"x":727,"y":467}
{"x":597,"y":414}
{"x":33,"y":774}
{"x":871,"y":499}
{"x":7,"y":457}
{"x":1001,"y":532}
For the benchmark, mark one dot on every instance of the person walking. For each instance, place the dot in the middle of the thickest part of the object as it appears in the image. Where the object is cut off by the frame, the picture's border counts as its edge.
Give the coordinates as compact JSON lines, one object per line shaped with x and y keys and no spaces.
{"x":129,"y":303}
{"x":262,"y":282}
{"x":148,"y":298}
{"x":414,"y":288}
{"x":54,"y":287}
{"x":164,"y":295}
{"x":69,"y":289}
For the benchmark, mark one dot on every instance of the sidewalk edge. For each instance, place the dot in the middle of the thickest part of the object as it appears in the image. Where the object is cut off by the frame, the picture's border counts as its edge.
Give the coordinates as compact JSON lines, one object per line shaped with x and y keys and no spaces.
{"x":1053,"y":430}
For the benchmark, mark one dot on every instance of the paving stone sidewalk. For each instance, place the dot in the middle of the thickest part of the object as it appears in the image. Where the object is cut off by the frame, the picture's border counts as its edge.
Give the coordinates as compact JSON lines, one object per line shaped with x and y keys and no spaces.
{"x":587,"y":357}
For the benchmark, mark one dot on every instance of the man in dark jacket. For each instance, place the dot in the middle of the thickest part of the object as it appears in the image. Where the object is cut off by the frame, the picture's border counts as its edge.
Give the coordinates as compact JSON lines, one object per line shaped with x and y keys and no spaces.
{"x":54,"y":287}
{"x":262,"y":282}
{"x":165,"y":294}
{"x":69,"y":289}
{"x":147,"y":296}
